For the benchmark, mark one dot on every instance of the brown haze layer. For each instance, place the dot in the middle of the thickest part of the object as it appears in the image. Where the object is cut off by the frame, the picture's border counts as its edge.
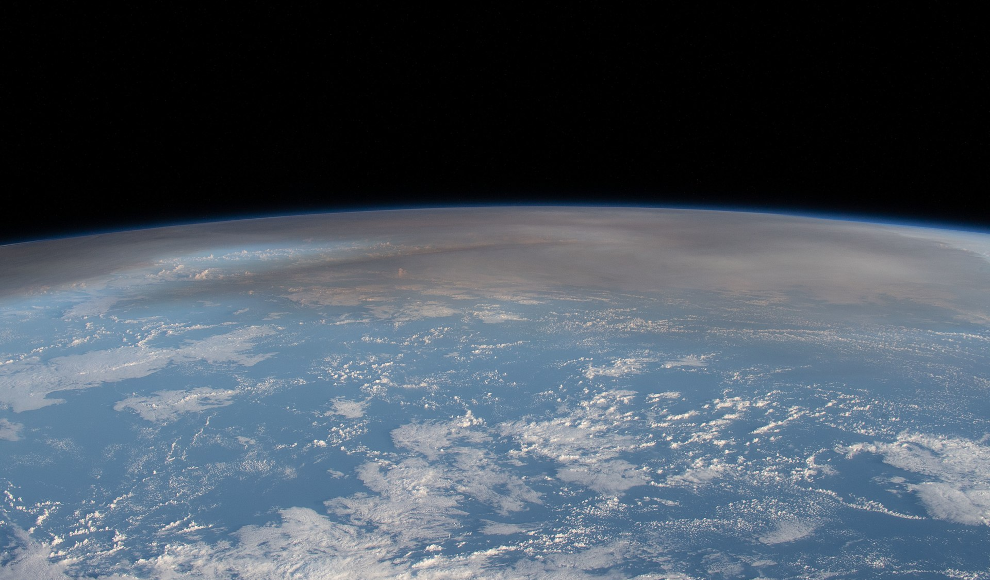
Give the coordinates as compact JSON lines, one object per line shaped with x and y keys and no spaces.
{"x":782,"y":259}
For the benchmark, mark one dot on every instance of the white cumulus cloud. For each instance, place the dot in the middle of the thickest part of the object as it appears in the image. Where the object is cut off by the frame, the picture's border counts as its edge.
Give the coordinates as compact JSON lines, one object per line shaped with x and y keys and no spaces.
{"x":25,"y":385}
{"x":587,"y":442}
{"x":165,"y":406}
{"x":10,"y":431}
{"x":955,"y":473}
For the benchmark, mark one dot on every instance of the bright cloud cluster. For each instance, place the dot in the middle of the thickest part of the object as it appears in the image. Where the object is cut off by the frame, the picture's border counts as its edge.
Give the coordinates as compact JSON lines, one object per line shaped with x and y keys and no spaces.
{"x":955,"y":473}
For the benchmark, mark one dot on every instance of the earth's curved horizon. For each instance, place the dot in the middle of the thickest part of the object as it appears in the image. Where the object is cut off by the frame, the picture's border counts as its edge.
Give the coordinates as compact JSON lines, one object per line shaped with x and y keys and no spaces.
{"x":500,"y":392}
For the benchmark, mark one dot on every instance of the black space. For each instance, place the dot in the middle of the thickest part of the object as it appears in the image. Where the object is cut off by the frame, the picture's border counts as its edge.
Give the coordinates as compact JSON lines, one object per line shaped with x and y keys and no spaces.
{"x":158,"y":116}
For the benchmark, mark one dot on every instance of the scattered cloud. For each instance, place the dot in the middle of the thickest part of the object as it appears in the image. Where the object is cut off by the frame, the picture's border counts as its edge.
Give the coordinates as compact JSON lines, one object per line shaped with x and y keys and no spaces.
{"x":610,"y":477}
{"x":25,"y":384}
{"x":10,"y":431}
{"x":618,"y":368}
{"x":496,"y":315}
{"x":30,"y":560}
{"x":700,"y":472}
{"x":412,"y":500}
{"x":306,"y":544}
{"x":334,"y":296}
{"x":955,"y":473}
{"x":349,"y":409}
{"x":419,"y":497}
{"x":788,"y":529}
{"x":587,"y":442}
{"x":93,"y":306}
{"x":502,"y":529}
{"x":413,"y":311}
{"x":690,"y":360}
{"x":656,"y":397}
{"x":165,"y":406}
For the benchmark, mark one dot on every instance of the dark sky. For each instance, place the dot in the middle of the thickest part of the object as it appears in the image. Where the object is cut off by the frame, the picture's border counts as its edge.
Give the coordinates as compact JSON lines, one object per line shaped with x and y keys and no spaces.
{"x":152,"y":117}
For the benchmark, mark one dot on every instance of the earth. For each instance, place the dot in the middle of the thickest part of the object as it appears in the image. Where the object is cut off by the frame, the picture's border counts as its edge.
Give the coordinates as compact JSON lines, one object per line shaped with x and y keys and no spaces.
{"x":551,"y":392}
